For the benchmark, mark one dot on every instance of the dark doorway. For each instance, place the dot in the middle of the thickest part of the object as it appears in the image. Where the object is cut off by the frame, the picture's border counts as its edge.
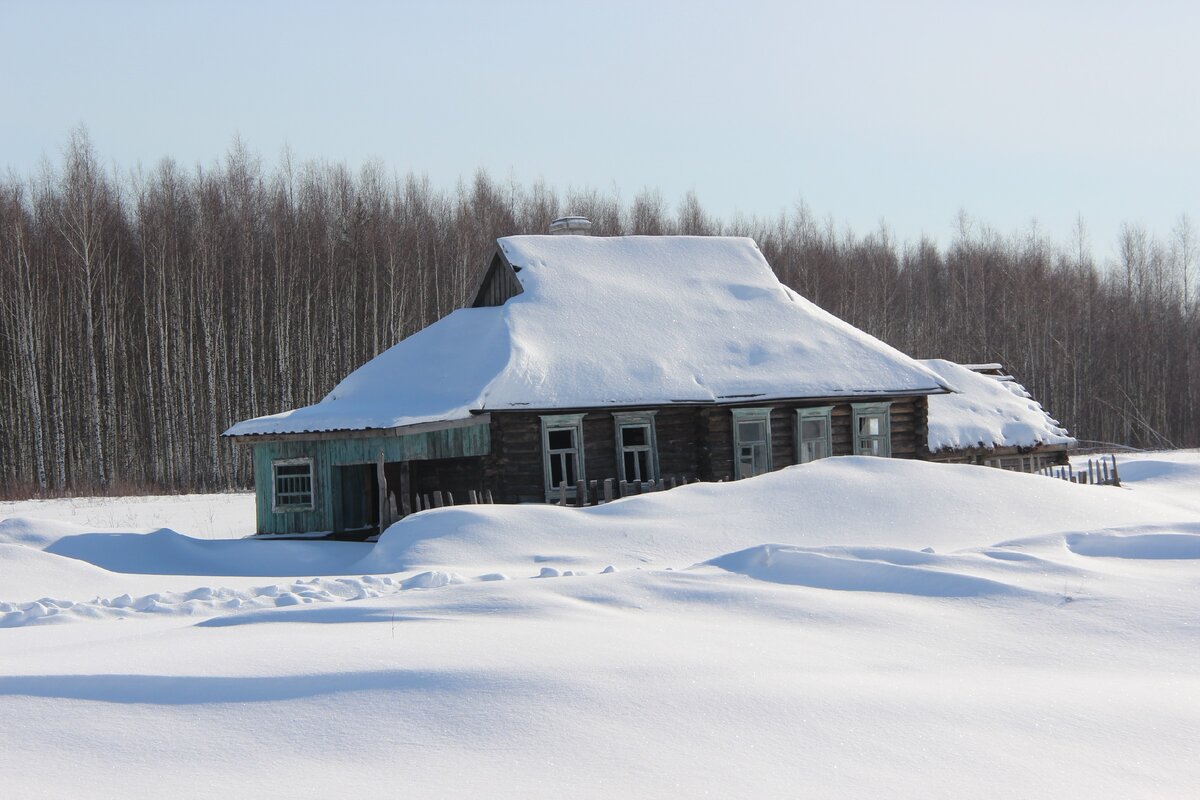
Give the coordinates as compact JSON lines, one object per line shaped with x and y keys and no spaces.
{"x":357,"y":504}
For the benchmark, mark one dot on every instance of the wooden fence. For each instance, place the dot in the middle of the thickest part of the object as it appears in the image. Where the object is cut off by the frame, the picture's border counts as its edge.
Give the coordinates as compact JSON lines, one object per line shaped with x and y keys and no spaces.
{"x":595,"y":493}
{"x":590,"y":493}
{"x":1100,"y":471}
{"x":441,"y":499}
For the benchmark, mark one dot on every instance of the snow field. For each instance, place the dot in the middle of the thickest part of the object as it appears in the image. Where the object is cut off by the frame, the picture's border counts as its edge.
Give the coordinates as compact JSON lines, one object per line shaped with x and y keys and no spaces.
{"x":912,"y":630}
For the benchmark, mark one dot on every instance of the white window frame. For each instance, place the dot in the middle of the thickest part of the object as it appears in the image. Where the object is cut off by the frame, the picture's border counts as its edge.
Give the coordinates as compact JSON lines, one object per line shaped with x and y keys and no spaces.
{"x":823,"y":413}
{"x":287,"y":508}
{"x":637,"y":419}
{"x":559,"y":422}
{"x":862,"y":411}
{"x":741,"y":415}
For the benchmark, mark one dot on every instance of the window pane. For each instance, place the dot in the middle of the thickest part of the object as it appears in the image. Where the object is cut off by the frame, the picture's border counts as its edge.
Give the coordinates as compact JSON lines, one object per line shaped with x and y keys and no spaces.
{"x":635,"y":436}
{"x":869,"y":426}
{"x":556,"y":469}
{"x":812,"y":429}
{"x":643,"y":465}
{"x":752,"y":431}
{"x":760,"y":460}
{"x":563,"y":439}
{"x":570,"y":468}
{"x":745,"y":465}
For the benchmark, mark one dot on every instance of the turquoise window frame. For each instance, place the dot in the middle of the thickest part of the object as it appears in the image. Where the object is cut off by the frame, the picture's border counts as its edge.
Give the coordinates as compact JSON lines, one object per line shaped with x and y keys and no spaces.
{"x":823,"y":413}
{"x":862,"y":441}
{"x":287,"y":508}
{"x":743,"y":416}
{"x":637,"y":419}
{"x":552,"y":423}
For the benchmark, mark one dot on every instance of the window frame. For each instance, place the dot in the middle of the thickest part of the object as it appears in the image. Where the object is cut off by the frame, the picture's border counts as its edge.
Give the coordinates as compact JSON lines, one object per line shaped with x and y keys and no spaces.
{"x":823,"y":413}
{"x":288,"y":508}
{"x":637,"y":419}
{"x":558,"y":422}
{"x":862,"y":411}
{"x":758,"y":414}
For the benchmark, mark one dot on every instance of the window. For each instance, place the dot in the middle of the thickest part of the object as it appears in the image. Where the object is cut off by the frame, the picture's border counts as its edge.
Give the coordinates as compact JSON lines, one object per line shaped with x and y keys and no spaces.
{"x":637,"y":446}
{"x":562,"y":447}
{"x":293,"y":485}
{"x":751,"y":441}
{"x":813,"y":439}
{"x":872,"y":432}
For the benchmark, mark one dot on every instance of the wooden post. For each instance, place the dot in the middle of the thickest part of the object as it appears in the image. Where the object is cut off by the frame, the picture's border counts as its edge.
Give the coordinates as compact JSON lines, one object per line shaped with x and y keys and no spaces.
{"x":383,"y":492}
{"x":471,"y":497}
{"x":562,"y":493}
{"x":624,"y":488}
{"x":581,"y":494}
{"x":437,"y":498}
{"x":488,"y":495}
{"x":449,"y":499}
{"x":593,"y":494}
{"x":1115,"y":477}
{"x":608,"y":490}
{"x":406,"y":489}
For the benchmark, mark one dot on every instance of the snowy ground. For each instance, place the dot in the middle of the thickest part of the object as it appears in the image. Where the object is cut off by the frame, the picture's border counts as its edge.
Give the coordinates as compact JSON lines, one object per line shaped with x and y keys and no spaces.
{"x":855,"y":627}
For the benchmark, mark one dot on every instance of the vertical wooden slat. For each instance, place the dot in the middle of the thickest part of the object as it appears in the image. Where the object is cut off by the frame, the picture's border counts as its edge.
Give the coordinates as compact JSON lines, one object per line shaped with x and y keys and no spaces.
{"x":383,"y":493}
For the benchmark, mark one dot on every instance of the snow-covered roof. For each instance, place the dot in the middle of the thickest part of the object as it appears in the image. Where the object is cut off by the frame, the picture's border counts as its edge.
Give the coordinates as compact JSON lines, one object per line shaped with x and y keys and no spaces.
{"x":615,"y":321}
{"x":988,"y":411}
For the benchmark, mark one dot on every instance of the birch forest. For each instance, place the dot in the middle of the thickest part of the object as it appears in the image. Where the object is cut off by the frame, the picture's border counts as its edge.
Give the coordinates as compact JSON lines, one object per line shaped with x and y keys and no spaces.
{"x":143,"y":311}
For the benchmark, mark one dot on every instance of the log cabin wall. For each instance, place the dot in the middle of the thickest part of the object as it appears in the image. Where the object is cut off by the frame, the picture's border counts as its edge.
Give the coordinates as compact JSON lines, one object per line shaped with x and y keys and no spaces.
{"x":693,"y":441}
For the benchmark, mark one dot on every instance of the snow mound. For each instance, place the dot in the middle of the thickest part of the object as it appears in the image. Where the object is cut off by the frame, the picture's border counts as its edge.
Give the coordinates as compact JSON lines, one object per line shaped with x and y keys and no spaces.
{"x":894,"y":571}
{"x":165,"y":552}
{"x":1155,"y":469}
{"x":847,"y":501}
{"x":1135,"y":545}
{"x":38,"y":533}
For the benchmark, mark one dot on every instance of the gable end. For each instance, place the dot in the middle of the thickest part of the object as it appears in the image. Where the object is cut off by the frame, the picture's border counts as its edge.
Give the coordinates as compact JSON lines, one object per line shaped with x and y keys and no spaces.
{"x":498,"y":285}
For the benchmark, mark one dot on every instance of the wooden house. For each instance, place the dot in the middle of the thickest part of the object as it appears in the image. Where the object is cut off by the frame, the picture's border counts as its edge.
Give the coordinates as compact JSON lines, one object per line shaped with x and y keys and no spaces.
{"x":991,"y":420}
{"x":583,"y":359}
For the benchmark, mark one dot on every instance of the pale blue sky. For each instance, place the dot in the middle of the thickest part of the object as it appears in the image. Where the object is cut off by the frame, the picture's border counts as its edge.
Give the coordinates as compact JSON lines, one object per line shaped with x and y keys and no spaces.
{"x":906,"y":111}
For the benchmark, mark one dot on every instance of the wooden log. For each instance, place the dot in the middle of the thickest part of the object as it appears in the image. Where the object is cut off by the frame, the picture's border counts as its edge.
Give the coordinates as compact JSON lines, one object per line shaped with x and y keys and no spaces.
{"x":472,"y":498}
{"x":581,"y":494}
{"x":624,"y":488}
{"x":437,"y":498}
{"x":593,"y":494}
{"x":428,"y":502}
{"x":488,"y":496}
{"x":608,"y":490}
{"x":562,"y":493}
{"x":449,"y":498}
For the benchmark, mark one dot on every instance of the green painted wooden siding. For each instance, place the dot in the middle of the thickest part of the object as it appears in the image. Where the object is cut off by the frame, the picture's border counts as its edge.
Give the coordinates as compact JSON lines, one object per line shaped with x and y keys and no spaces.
{"x":474,"y":440}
